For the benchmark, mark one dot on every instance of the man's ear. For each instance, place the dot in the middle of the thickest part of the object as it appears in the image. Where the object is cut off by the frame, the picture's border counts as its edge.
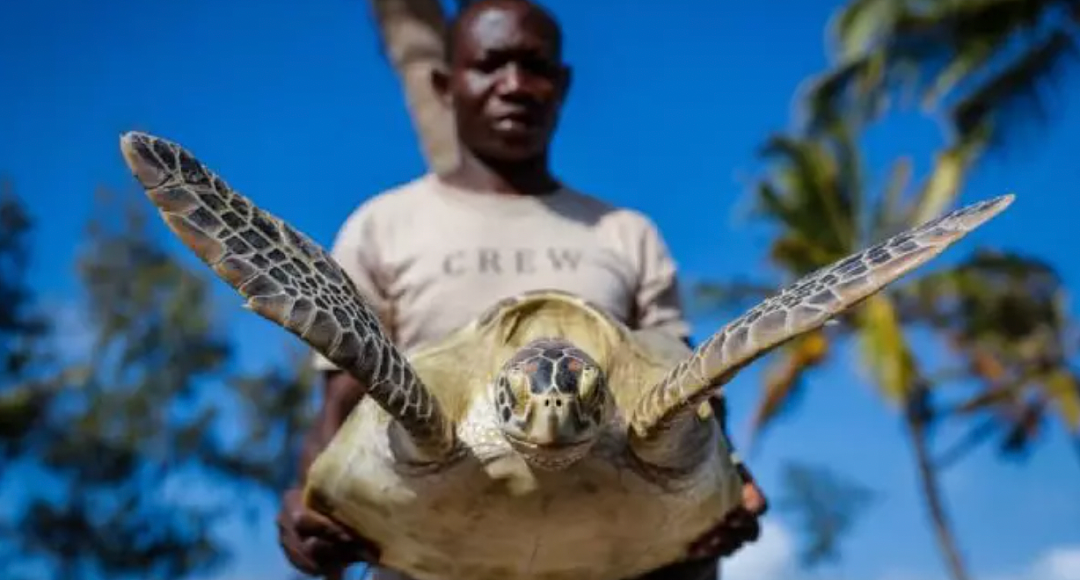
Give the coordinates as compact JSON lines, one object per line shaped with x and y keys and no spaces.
{"x":440,"y":81}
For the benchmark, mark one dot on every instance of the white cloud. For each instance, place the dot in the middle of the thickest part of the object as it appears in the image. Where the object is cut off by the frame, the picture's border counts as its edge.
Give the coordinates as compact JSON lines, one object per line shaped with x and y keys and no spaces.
{"x":1058,"y":563}
{"x":774,"y":557}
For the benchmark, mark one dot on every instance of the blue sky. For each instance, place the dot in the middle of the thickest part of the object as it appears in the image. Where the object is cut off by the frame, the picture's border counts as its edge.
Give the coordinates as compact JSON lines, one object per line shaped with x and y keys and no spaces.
{"x":294,"y":105}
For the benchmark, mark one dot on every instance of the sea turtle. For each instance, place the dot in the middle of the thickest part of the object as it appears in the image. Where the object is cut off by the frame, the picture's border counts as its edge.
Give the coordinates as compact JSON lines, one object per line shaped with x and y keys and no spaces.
{"x":543,"y":441}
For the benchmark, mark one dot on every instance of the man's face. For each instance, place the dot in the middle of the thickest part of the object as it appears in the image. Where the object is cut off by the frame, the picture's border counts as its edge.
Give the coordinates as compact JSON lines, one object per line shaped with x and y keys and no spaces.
{"x":506,"y":81}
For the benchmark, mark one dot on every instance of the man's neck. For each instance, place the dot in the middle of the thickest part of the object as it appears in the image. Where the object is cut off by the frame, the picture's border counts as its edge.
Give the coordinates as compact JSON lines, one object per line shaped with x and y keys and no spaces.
{"x":530,"y":177}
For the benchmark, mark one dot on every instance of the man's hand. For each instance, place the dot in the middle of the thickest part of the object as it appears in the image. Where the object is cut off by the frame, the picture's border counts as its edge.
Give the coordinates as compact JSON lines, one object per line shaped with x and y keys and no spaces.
{"x":739,"y":527}
{"x":316,"y":545}
{"x":313,"y":543}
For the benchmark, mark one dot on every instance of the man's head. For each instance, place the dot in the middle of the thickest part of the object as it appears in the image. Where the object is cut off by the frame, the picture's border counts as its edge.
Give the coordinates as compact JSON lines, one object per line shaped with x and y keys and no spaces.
{"x":506,"y":79}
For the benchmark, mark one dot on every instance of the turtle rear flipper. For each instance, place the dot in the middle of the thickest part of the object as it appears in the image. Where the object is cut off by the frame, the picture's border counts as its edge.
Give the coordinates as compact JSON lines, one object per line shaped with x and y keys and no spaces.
{"x":801,"y":307}
{"x":288,"y":279}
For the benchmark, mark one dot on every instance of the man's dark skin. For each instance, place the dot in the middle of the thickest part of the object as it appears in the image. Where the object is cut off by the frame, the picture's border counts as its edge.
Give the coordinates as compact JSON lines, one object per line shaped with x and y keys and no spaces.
{"x":506,"y":84}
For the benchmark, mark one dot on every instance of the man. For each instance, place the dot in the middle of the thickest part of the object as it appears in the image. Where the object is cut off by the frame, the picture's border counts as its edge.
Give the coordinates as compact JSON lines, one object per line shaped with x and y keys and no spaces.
{"x":432,"y":254}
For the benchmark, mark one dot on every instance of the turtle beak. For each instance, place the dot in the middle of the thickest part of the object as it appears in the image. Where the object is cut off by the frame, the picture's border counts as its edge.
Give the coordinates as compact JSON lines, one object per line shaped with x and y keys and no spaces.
{"x":547,"y":430}
{"x":555,"y":421}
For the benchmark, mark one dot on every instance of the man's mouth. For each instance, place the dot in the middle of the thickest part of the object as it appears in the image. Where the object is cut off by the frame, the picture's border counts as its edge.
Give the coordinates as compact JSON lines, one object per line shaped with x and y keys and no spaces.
{"x":511,"y":123}
{"x":517,"y":121}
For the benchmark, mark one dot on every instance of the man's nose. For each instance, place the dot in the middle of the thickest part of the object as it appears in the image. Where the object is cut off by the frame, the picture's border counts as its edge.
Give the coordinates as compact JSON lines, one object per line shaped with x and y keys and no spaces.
{"x":514,"y":81}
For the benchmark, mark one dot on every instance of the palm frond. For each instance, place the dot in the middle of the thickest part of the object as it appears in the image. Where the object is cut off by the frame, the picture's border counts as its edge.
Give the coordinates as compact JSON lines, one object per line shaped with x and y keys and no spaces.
{"x":813,"y":189}
{"x":942,"y":186}
{"x":1005,"y":316}
{"x":890,"y":210}
{"x":857,"y":27}
{"x":992,"y":59}
{"x":1014,"y":91}
{"x":1063,"y":391}
{"x":732,"y":297}
{"x":852,"y":92}
{"x":886,"y":350}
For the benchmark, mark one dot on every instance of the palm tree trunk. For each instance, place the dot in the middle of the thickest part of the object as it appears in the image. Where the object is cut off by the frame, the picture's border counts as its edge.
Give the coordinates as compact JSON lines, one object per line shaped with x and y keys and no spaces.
{"x":928,"y":479}
{"x":412,"y":35}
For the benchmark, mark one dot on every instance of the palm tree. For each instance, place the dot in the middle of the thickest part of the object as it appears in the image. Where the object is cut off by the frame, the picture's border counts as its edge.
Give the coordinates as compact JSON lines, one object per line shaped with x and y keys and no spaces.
{"x":1007,"y":317}
{"x":983,"y":63}
{"x":815,"y":195}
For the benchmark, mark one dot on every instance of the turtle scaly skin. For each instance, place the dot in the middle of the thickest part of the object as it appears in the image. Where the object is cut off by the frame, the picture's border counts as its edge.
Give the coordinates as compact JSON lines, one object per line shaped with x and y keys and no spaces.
{"x":288,"y":279}
{"x":804,"y":306}
{"x":543,"y":441}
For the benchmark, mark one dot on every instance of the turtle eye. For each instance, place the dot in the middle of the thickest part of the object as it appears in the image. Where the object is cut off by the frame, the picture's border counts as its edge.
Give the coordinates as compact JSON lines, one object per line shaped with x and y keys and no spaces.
{"x":518,"y":385}
{"x":511,"y":394}
{"x":593,"y":396}
{"x":588,"y":381}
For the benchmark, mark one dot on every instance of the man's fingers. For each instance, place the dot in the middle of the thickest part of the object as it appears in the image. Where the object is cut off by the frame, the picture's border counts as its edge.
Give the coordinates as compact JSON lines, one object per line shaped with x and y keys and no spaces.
{"x":299,"y":559}
{"x":737,"y":528}
{"x":310,"y":523}
{"x":753,"y":499}
{"x":306,"y":521}
{"x":368,"y":552}
{"x":350,"y":546}
{"x":750,"y":530}
{"x":292,"y":545}
{"x":327,"y":554}
{"x":321,"y":537}
{"x":743,"y":525}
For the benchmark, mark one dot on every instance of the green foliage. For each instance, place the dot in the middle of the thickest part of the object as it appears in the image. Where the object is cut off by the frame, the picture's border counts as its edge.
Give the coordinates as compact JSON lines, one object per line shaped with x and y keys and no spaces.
{"x":1001,"y":313}
{"x":117,"y":442}
{"x":1006,"y":316}
{"x":21,"y":328}
{"x":995,"y":309}
{"x":985,"y":64}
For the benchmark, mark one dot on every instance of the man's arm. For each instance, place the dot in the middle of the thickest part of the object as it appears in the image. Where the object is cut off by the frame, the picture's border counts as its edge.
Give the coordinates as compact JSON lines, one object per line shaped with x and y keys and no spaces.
{"x":313,"y":543}
{"x":341,"y":393}
{"x":657,"y":301}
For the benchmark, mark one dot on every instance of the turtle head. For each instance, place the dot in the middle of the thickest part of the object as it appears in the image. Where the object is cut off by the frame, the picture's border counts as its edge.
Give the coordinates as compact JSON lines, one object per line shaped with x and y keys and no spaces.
{"x":552,"y":401}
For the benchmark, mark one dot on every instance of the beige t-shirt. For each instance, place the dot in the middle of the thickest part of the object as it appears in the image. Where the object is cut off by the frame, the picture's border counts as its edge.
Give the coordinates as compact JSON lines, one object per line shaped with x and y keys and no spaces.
{"x":430,"y":257}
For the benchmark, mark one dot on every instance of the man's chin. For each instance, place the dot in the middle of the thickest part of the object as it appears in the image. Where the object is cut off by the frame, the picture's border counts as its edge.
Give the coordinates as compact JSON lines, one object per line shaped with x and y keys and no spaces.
{"x":513,"y":147}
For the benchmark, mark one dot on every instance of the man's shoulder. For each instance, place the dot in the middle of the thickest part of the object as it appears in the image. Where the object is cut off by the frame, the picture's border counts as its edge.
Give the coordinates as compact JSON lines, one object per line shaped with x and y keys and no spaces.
{"x":389,"y":206}
{"x":398,"y":198}
{"x":606,"y":214}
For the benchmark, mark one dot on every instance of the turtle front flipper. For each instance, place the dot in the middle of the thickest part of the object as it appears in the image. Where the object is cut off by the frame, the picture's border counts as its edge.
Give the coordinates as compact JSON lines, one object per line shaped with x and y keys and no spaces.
{"x":665,"y":413}
{"x":290,"y":280}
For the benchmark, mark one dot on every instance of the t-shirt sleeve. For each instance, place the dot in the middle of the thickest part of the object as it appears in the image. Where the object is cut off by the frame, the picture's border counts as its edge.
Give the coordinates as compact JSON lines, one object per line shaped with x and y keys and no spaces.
{"x":356,"y":249}
{"x":658,"y":302}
